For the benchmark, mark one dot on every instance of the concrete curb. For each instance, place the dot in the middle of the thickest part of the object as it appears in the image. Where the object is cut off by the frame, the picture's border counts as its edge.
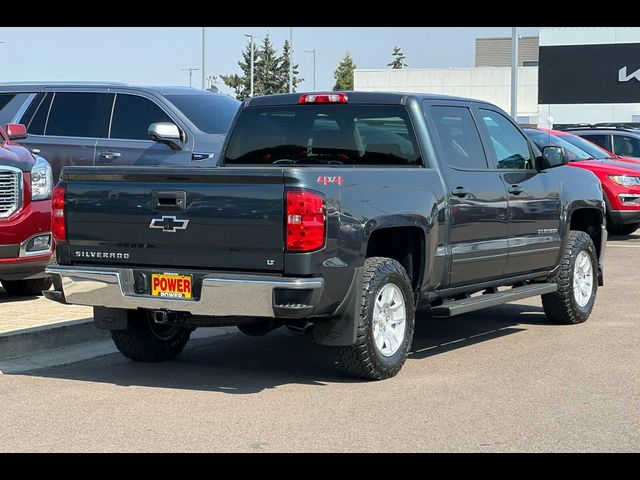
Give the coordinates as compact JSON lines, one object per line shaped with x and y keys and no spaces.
{"x":36,"y":339}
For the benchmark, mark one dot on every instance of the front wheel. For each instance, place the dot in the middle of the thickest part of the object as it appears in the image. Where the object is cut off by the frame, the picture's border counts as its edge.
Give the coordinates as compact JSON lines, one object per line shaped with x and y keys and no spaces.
{"x":386,"y":323}
{"x":577,"y":282}
{"x":147,"y":341}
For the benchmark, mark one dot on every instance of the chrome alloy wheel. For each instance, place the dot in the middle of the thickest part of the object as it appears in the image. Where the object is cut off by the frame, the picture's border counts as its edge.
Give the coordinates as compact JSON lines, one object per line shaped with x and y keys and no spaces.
{"x":583,"y":279}
{"x":389,"y":320}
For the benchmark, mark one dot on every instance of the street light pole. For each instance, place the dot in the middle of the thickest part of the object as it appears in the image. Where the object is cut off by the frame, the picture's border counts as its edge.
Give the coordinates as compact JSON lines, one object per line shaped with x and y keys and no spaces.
{"x":203,"y":56}
{"x":514,"y":73}
{"x":290,"y":59}
{"x":314,"y":67}
{"x":252,"y":50}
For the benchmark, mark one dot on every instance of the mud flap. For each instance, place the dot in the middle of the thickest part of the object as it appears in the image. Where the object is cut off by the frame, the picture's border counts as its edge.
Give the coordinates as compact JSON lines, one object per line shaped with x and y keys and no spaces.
{"x":110,"y":318}
{"x":341,"y":329}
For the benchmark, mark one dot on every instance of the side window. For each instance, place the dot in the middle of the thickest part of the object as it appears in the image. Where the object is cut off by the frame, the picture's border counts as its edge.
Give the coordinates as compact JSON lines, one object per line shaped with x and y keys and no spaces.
{"x":459,"y":137}
{"x":36,"y":114}
{"x":132,"y":116}
{"x":601,"y":140}
{"x":11,"y":104}
{"x":80,"y":115}
{"x":626,"y":146}
{"x":5,"y":98}
{"x":510,"y":146}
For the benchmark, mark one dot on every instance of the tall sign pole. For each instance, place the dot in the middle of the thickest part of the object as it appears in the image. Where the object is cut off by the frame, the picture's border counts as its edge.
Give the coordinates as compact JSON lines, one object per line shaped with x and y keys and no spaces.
{"x":203,"y":56}
{"x":290,"y":59}
{"x":514,"y":73}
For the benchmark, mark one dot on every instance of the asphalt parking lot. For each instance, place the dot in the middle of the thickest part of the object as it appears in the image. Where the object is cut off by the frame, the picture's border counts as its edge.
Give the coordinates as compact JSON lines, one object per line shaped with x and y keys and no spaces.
{"x":502,"y":379}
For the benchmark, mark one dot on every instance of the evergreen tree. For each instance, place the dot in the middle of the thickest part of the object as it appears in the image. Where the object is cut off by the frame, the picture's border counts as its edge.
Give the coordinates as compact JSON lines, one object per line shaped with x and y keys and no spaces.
{"x":399,"y":59}
{"x":241,"y":84}
{"x":344,"y":74}
{"x":283,"y":70}
{"x":266,"y":81}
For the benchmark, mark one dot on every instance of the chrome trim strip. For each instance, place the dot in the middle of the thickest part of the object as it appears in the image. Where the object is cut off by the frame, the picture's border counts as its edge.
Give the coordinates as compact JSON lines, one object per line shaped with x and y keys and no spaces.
{"x":19,"y":187}
{"x":221,"y":295}
{"x":18,"y":116}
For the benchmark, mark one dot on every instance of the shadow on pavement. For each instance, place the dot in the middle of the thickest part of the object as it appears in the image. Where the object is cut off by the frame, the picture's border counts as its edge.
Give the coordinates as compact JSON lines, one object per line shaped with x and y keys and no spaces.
{"x":5,"y":297}
{"x":238,"y":364}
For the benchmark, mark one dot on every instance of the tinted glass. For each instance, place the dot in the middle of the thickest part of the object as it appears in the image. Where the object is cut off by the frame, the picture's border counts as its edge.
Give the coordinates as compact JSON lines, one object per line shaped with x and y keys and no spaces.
{"x":5,"y":98}
{"x":592,"y":149}
{"x":323,"y":134}
{"x":10,"y":105}
{"x":542,"y":139}
{"x":459,"y":137}
{"x":211,"y":113}
{"x":132,"y":116}
{"x":601,"y":140}
{"x":626,"y":146}
{"x":80,"y":115}
{"x":36,"y":123}
{"x":510,"y":146}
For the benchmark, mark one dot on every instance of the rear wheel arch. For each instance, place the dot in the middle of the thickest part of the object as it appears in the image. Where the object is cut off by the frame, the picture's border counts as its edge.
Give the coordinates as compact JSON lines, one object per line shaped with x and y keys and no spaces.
{"x":405,"y":244}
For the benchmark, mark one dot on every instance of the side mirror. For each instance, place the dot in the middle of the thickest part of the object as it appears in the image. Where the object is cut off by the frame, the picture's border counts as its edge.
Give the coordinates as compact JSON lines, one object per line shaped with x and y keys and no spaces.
{"x":553,"y":156}
{"x":167,"y":133}
{"x":16,"y":131}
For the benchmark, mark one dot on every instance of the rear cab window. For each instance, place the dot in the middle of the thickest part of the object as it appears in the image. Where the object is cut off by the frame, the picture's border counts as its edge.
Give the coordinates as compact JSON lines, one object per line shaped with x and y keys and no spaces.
{"x":324,"y":135}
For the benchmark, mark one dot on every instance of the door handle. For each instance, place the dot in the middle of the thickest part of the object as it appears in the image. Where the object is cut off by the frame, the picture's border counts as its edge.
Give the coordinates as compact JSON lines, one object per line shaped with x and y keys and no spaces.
{"x":35,"y":151}
{"x":515,"y":190}
{"x":109,"y":155}
{"x":460,"y":192}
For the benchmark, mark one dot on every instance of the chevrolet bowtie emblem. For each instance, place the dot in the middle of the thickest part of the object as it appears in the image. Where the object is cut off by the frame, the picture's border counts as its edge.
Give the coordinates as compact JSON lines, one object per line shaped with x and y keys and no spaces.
{"x":169,"y":224}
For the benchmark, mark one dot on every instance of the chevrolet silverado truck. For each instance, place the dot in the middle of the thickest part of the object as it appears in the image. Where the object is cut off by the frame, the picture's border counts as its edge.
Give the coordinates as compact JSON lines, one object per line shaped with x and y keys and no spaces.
{"x":26,"y":244}
{"x":337,"y":214}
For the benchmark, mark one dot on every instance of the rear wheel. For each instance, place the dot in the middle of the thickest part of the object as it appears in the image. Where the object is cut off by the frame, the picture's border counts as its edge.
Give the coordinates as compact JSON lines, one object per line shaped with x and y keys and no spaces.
{"x":147,"y":341}
{"x":27,"y":287}
{"x":386,"y":323}
{"x":617,"y":229}
{"x":577,"y":282}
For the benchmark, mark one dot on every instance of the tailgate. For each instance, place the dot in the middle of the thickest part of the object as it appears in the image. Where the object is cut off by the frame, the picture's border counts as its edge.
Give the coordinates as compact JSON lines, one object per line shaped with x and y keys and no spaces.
{"x":210,"y":219}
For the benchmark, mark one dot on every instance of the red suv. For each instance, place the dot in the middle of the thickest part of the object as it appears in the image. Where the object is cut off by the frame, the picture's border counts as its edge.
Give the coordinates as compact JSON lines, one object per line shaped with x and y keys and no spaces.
{"x":26,"y":245}
{"x":620,"y":176}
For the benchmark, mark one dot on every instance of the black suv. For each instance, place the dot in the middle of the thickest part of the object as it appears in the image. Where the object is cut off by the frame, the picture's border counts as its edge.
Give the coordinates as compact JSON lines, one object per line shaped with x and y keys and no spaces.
{"x":87,"y":124}
{"x":621,"y":139}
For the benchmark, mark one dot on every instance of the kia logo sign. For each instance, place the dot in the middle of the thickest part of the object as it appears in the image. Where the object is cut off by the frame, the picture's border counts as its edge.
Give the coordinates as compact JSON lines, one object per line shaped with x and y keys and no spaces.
{"x":578,"y":74}
{"x":623,"y":77}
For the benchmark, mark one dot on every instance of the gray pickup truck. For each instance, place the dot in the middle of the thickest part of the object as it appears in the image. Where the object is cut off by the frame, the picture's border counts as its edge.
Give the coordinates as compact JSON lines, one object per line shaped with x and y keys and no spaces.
{"x":338,"y":215}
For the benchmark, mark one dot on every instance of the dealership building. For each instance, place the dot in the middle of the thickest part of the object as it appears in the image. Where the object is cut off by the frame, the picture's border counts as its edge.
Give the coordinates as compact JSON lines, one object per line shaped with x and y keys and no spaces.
{"x":566,"y":75}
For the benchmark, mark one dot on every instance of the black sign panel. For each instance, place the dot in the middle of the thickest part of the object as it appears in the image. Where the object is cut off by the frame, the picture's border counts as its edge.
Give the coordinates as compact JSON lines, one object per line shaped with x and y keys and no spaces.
{"x":589,"y":74}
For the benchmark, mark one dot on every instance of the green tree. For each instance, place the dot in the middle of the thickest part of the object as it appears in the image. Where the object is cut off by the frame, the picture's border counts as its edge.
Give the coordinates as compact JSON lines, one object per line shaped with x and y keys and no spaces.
{"x":398,"y":60}
{"x":266,"y":81}
{"x":344,"y":74}
{"x":241,"y":84}
{"x":283,"y":70}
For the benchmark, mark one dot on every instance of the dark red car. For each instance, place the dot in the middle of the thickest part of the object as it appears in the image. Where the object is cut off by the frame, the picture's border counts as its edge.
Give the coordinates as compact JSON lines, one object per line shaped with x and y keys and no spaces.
{"x":26,"y":244}
{"x":619,"y":176}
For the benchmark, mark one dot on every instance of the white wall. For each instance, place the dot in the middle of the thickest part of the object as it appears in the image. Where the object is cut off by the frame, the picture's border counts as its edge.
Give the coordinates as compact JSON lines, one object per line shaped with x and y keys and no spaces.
{"x":492,"y":84}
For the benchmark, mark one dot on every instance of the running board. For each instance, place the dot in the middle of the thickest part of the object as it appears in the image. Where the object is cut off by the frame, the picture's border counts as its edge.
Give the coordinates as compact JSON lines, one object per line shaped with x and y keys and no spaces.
{"x":470,"y":304}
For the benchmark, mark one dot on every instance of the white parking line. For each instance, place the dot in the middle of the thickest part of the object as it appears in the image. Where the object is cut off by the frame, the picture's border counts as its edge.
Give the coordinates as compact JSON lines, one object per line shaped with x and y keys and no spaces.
{"x":622,"y":246}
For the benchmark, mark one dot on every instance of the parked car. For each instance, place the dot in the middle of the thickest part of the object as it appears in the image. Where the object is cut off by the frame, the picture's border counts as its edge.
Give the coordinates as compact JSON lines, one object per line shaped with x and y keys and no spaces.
{"x":620,"y":177}
{"x":333,"y":213}
{"x":26,"y":244}
{"x":85,"y":124}
{"x":621,"y":140}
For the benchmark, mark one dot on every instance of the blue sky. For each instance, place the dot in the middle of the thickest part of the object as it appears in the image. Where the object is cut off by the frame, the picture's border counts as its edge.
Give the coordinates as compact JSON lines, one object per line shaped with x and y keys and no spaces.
{"x":155,"y":55}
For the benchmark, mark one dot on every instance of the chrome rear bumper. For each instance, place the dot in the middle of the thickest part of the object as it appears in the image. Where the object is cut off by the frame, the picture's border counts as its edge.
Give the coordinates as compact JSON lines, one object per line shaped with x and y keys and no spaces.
{"x":221,"y":295}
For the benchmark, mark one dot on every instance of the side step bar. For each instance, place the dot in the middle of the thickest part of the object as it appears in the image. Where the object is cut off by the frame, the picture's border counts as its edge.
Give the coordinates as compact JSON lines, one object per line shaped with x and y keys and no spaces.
{"x":458,"y":307}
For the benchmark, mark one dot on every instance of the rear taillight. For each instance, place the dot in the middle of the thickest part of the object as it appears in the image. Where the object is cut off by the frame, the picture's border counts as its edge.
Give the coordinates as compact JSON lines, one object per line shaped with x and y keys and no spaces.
{"x":58,"y":227}
{"x":305,"y":221}
{"x":323,"y":98}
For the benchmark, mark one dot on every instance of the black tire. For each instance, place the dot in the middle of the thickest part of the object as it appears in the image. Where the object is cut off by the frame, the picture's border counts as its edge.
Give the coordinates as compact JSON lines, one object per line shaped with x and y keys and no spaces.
{"x":363,"y":359}
{"x":147,"y":341}
{"x":617,"y":229}
{"x":561,"y":306}
{"x":27,"y":287}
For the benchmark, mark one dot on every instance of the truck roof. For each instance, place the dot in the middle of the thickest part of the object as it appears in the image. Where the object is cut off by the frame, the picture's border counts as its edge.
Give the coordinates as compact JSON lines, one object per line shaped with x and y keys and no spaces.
{"x":389,"y":98}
